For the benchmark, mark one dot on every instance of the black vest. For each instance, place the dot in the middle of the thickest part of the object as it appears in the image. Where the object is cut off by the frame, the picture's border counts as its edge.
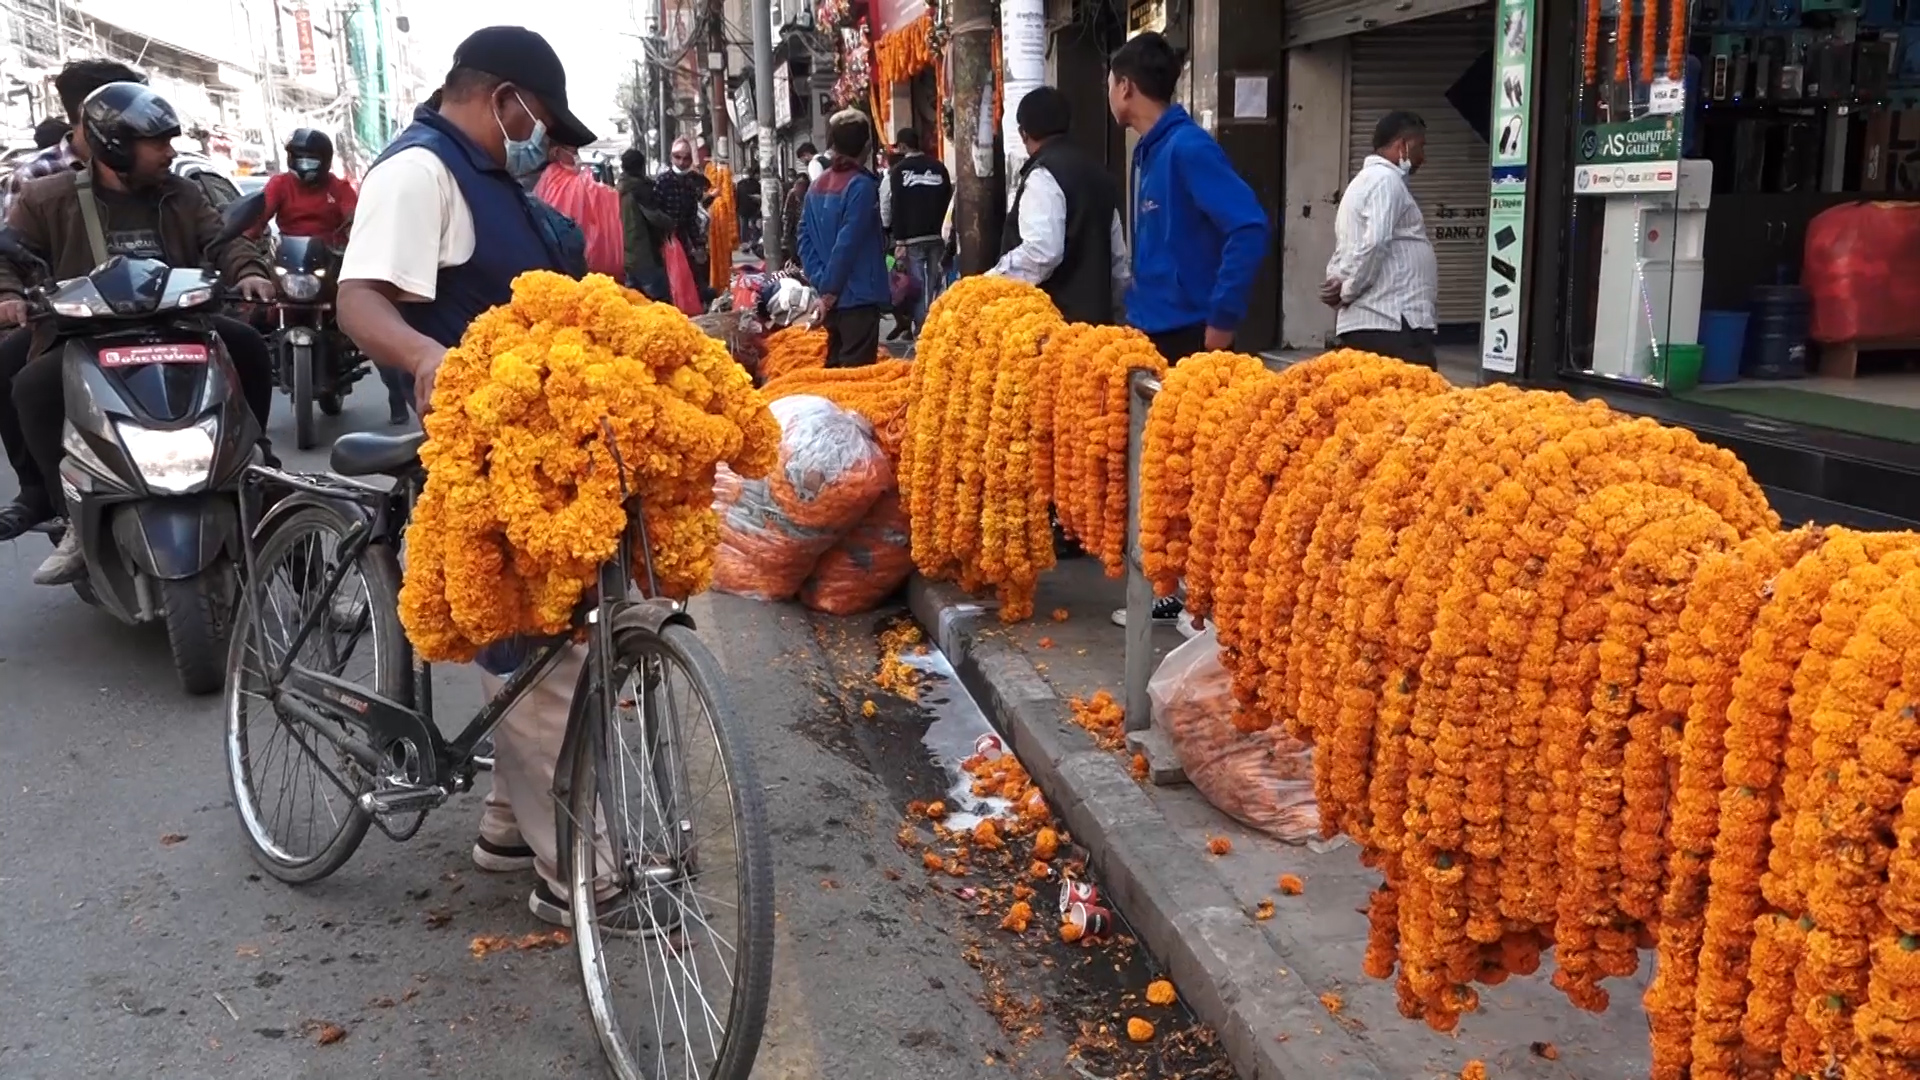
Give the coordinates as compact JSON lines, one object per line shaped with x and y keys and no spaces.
{"x":1082,"y":285}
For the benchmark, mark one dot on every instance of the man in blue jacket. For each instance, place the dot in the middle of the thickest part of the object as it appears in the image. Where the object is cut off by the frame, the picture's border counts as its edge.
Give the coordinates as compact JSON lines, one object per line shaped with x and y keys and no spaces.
{"x":842,"y":247}
{"x":1199,"y":233}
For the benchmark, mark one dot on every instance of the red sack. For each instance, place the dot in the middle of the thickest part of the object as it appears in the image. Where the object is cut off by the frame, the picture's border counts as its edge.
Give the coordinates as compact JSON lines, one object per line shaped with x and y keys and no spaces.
{"x":861,"y":571}
{"x":680,"y":280}
{"x":1862,"y":269}
{"x":594,"y":207}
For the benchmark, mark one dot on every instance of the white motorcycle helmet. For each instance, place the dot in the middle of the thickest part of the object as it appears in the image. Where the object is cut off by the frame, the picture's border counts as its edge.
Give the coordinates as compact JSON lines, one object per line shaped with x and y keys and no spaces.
{"x":793,"y":302}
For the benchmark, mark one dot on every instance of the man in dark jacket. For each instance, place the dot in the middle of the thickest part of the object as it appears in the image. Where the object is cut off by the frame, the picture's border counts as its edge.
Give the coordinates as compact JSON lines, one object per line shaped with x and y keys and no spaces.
{"x":912,"y":207}
{"x":140,"y":210}
{"x":1064,"y":233}
{"x":645,"y":226}
{"x":794,"y":203}
{"x":842,"y":247}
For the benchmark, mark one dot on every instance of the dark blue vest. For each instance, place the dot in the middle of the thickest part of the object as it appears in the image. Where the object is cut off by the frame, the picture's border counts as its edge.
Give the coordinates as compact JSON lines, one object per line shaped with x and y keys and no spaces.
{"x":511,"y":235}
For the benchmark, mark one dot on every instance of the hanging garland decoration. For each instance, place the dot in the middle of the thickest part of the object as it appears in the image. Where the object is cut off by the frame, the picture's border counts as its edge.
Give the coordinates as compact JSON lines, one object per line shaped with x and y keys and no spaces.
{"x":898,"y":56}
{"x":1649,"y":31}
{"x":855,"y":64}
{"x":1677,"y":29}
{"x":1623,"y":45}
{"x":1590,"y":44}
{"x":723,"y":226}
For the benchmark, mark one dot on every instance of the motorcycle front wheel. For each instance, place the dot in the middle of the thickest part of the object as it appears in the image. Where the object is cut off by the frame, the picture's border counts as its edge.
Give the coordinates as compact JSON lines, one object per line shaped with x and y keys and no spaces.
{"x":199,"y":623}
{"x":301,"y":391}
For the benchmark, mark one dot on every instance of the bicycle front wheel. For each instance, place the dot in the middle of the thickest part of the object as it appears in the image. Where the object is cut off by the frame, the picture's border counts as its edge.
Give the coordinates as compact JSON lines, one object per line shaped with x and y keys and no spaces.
{"x":671,"y":868}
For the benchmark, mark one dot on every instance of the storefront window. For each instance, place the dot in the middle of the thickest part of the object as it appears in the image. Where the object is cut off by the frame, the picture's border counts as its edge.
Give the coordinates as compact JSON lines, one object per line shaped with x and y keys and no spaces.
{"x":1723,"y":246}
{"x":1639,"y":199}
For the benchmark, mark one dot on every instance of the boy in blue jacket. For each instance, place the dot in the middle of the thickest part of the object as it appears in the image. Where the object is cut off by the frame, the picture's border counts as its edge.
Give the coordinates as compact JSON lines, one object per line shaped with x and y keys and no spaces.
{"x":1199,"y":233}
{"x":842,"y":247}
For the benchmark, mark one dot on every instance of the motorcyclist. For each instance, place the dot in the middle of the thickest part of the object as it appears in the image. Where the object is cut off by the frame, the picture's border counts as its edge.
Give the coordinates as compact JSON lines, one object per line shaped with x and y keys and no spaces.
{"x":307,"y":199}
{"x":127,"y":201}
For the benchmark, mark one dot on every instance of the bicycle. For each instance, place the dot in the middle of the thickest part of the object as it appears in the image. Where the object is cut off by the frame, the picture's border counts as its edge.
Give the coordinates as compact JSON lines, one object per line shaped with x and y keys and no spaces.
{"x":338,"y":536}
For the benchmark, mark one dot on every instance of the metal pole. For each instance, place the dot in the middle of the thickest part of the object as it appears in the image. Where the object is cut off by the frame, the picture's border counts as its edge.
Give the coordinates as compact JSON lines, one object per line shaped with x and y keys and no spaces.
{"x":1141,"y":388}
{"x":770,"y":201}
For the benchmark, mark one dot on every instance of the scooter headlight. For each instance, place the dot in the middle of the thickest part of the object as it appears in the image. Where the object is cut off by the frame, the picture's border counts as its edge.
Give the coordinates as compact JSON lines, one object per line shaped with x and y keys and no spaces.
{"x":301,"y":287}
{"x":175,"y":462}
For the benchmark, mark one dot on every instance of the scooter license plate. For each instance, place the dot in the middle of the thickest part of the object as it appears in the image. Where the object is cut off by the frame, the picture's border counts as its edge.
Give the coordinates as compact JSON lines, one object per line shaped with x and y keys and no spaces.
{"x":140,"y":355}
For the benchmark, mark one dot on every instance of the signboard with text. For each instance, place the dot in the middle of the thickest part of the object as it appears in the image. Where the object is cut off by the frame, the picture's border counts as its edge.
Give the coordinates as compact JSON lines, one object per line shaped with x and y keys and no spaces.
{"x":1505,"y":226}
{"x":1636,"y":156}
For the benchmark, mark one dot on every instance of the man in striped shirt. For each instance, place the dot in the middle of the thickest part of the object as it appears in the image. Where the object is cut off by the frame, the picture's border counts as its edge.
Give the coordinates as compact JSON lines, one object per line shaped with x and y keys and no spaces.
{"x":1383,"y":278}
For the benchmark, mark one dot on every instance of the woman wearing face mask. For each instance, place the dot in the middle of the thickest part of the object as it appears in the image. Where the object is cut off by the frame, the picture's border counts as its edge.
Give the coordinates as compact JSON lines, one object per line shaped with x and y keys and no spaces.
{"x":444,"y":227}
{"x":1383,"y":279}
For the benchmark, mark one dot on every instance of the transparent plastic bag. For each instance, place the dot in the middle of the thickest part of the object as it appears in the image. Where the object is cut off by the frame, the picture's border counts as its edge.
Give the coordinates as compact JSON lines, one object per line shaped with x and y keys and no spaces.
{"x":1262,"y":779}
{"x":859,"y":572}
{"x":762,"y":553}
{"x":831,"y":469}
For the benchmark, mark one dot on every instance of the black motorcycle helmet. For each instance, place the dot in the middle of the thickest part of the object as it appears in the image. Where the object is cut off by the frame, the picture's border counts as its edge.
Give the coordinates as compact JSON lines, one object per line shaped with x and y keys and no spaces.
{"x":120,"y":114}
{"x":309,"y":154}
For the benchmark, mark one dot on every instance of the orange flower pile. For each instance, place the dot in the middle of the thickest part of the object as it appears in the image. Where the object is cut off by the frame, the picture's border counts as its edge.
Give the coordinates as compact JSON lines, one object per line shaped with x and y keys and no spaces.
{"x":1012,"y":415}
{"x":791,"y":349}
{"x":877,"y":392}
{"x":537,"y":412}
{"x":1570,"y":687}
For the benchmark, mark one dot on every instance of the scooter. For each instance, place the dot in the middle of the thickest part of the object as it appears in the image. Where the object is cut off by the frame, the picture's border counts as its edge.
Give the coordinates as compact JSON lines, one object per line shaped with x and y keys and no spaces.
{"x":157,"y":434}
{"x":315,"y":363}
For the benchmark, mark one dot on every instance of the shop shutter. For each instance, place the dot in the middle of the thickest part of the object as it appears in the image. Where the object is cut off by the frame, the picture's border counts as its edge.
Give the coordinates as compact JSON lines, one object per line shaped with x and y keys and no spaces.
{"x":1411,"y":66}
{"x":1308,"y":21}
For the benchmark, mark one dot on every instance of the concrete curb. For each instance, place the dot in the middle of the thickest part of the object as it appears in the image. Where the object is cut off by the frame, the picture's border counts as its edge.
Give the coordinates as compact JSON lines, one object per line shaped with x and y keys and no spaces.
{"x":1270,"y":1022}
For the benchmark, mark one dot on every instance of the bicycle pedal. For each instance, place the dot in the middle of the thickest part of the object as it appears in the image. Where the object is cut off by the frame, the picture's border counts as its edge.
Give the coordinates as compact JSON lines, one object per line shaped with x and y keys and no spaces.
{"x":402,"y":799}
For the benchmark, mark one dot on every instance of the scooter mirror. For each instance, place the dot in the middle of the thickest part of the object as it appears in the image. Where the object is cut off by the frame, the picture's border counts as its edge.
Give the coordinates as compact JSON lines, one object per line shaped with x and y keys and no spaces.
{"x":240,"y":215}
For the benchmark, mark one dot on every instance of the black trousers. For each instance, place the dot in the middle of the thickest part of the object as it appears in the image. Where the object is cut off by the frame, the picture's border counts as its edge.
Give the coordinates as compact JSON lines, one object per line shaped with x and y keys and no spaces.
{"x":1408,"y":343}
{"x":39,"y":401}
{"x":853,"y":336}
{"x":1177,"y":345}
{"x":13,"y":357}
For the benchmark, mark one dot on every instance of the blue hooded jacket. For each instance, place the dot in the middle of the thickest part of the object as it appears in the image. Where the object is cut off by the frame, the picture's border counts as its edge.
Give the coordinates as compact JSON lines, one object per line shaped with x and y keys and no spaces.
{"x":1199,"y":234}
{"x":842,"y":247}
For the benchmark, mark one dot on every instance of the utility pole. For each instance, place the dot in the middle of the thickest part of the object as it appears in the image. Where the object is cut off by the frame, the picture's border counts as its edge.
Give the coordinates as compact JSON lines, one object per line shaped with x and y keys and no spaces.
{"x":770,"y":201}
{"x":976,"y":206}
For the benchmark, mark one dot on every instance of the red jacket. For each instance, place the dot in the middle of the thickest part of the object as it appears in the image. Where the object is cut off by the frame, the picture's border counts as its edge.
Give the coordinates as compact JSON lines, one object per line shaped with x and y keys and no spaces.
{"x":305,"y":211}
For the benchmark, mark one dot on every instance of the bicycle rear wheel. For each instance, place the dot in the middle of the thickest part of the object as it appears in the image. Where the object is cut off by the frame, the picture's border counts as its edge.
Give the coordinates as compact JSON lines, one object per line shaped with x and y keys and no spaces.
{"x":296,"y":793}
{"x":676,"y":941}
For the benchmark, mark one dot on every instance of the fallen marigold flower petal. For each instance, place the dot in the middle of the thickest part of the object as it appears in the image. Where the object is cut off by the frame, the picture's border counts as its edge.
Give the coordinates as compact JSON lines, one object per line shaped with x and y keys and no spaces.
{"x":1219,"y":845}
{"x":1161,"y":992}
{"x":1139,"y":1030}
{"x":1291,"y":885}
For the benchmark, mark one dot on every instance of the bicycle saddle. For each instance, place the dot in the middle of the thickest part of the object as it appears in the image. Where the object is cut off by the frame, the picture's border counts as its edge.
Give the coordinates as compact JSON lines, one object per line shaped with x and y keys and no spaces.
{"x":366,"y":454}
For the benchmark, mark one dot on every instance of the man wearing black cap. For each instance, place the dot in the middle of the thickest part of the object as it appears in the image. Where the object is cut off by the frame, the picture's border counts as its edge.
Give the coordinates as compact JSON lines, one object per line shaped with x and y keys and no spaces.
{"x":443,"y":227}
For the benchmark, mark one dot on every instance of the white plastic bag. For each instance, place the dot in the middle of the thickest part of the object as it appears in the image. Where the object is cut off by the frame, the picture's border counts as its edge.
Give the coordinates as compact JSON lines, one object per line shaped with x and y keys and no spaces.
{"x":1262,"y":779}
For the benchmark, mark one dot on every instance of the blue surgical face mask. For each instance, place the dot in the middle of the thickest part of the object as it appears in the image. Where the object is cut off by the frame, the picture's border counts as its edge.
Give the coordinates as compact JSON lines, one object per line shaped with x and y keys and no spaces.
{"x":524,"y":156}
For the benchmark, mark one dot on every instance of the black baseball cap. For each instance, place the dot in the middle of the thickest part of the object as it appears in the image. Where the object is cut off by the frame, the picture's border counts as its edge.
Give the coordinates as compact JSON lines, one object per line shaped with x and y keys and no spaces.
{"x":523,"y":58}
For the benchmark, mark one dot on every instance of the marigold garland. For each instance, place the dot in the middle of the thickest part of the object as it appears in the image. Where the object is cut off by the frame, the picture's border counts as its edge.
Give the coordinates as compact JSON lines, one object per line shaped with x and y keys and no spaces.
{"x":792,"y":349}
{"x":535,"y":416}
{"x":723,"y":226}
{"x":1571,"y":686}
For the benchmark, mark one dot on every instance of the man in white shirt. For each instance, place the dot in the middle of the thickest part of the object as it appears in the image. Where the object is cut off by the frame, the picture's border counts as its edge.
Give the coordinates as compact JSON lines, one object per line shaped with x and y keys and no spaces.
{"x":442,"y":228}
{"x":1383,"y":279}
{"x":1064,"y":232}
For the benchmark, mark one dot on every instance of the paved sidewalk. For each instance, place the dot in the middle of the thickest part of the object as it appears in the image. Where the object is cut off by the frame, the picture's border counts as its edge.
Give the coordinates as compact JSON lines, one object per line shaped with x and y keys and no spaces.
{"x":1258,"y":983}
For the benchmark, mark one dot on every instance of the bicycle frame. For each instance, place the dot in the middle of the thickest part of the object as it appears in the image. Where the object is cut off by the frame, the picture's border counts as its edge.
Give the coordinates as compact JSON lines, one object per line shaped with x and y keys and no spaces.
{"x":327,"y":703}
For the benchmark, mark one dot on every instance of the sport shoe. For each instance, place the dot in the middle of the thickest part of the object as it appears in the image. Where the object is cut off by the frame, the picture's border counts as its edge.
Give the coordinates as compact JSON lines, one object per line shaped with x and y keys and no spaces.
{"x":1166,"y":612}
{"x":620,"y":914}
{"x":66,"y":565}
{"x":19,"y":517}
{"x":502,"y":858}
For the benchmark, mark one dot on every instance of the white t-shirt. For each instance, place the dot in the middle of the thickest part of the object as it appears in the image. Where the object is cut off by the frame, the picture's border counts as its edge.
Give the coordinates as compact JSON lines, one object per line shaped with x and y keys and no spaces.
{"x":411,"y":223}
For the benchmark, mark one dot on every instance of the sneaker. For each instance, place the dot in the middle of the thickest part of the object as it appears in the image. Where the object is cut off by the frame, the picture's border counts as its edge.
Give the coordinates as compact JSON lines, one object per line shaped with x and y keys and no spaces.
{"x":1166,"y":612}
{"x":620,"y":914}
{"x":502,"y":858}
{"x":19,"y":517}
{"x":66,"y":565}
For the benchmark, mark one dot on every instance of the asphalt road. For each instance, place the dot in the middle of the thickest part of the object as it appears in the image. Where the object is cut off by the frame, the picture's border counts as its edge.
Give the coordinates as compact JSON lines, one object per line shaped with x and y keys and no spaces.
{"x":137,"y":938}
